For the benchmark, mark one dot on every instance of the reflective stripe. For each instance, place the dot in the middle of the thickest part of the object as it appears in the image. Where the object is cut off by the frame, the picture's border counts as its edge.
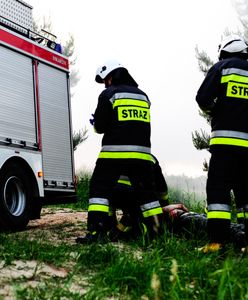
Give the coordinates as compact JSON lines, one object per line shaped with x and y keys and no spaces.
{"x":125,"y":148}
{"x":218,"y":206}
{"x":126,"y":155}
{"x":229,"y":137}
{"x":228,"y":141}
{"x":230,"y":133}
{"x":234,"y":77}
{"x":246,"y":215}
{"x":239,"y":210}
{"x":102,"y":201}
{"x":240,"y":215}
{"x":126,"y":182}
{"x":234,"y":71}
{"x":123,"y":177}
{"x":152,"y":212}
{"x":219,"y":215}
{"x":130,"y":102}
{"x":150,"y":205}
{"x":96,"y":207}
{"x":117,"y":96}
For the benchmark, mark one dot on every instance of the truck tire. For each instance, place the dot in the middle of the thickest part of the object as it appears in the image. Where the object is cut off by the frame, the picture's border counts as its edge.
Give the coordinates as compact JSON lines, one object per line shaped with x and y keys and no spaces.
{"x":15,"y":198}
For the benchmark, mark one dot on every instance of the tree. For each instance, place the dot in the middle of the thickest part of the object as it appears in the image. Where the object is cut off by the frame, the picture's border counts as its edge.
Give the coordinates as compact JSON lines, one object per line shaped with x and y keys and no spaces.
{"x":44,"y":28}
{"x":79,"y":137}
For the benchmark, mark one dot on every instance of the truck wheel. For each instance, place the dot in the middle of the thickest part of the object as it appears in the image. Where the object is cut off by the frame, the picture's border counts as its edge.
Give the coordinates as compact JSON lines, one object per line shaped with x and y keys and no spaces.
{"x":15,"y":200}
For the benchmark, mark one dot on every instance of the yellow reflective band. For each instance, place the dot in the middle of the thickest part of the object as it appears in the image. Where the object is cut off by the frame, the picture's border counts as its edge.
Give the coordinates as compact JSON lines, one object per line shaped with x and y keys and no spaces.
{"x":234,"y":77}
{"x":219,"y":215}
{"x":126,"y":182}
{"x":240,"y":215}
{"x":246,"y":215}
{"x":133,"y":113}
{"x":97,"y":207}
{"x":228,"y":141}
{"x":126,"y":155}
{"x":237,"y":90}
{"x":131,"y":102}
{"x":152,"y":212}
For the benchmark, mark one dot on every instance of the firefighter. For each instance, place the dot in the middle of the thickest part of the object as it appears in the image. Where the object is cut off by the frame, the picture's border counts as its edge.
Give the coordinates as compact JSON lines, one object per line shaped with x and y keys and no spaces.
{"x":123,"y":197}
{"x":178,"y":219}
{"x":223,"y":95}
{"x":122,"y":115}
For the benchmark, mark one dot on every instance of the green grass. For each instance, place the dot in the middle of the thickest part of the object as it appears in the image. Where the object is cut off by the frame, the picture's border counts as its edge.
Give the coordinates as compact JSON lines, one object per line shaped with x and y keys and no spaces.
{"x":171,"y":268}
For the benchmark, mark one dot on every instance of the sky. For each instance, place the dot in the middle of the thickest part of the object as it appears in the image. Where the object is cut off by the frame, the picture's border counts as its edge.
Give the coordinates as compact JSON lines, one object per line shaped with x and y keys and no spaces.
{"x":155,"y":40}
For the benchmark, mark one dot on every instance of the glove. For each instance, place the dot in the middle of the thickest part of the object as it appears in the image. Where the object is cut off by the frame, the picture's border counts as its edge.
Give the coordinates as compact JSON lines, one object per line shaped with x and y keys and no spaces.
{"x":92,"y":120}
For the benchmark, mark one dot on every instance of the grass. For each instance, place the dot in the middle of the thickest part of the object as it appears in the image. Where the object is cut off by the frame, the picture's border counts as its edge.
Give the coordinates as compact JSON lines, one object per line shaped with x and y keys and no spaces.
{"x":170,"y":268}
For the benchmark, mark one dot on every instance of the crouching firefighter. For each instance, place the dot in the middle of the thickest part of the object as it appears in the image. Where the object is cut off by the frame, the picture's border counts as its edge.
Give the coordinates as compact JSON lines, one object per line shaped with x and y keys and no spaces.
{"x":132,"y":224}
{"x":178,"y":220}
{"x":122,"y":115}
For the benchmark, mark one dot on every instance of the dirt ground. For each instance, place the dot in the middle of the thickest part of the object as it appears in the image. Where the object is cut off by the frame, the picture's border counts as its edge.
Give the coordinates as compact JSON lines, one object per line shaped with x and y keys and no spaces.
{"x":52,"y":220}
{"x":56,"y":225}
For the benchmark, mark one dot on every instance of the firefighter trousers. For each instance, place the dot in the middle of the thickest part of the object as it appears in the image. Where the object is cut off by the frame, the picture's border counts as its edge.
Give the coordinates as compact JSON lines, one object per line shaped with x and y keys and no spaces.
{"x":228,"y":172}
{"x":104,"y":179}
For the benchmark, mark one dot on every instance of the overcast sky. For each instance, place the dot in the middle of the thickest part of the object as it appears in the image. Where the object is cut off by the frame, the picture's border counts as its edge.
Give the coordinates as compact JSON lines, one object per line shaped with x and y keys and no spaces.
{"x":155,"y":40}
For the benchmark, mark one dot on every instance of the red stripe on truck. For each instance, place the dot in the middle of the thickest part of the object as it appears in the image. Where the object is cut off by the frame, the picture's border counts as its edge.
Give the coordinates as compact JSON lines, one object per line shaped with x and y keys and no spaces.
{"x":33,"y":49}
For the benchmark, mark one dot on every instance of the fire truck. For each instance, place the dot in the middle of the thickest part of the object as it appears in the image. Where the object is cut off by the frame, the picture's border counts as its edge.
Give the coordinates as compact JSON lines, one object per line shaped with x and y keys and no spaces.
{"x":36,"y":147}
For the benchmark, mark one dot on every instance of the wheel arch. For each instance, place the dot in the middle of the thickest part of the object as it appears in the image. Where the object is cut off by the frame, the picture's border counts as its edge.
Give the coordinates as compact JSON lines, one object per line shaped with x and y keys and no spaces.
{"x":25,"y":166}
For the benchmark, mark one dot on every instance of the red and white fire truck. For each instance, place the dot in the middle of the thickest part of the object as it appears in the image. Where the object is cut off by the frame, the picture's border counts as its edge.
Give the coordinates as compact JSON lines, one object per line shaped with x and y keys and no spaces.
{"x":36,"y":148}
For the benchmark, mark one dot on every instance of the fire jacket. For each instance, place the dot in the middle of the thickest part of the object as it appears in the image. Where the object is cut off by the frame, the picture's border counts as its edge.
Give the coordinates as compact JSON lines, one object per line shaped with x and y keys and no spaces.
{"x":123,"y":116}
{"x":224,"y":96}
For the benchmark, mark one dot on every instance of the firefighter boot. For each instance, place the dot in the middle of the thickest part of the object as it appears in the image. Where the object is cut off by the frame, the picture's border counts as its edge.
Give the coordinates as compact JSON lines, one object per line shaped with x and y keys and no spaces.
{"x":92,"y":237}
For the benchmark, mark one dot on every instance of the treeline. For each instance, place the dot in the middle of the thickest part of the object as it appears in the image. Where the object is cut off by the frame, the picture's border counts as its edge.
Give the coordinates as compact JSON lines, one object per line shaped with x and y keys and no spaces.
{"x":186,"y":189}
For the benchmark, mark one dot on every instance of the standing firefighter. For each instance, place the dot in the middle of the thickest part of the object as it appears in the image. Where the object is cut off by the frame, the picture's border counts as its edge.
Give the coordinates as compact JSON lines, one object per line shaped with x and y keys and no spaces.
{"x":223,"y":95}
{"x":123,"y":116}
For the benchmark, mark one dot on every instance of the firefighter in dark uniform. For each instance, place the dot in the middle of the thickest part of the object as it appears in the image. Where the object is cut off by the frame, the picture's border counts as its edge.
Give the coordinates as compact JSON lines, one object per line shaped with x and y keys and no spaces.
{"x":122,"y":115}
{"x":123,"y":197}
{"x":178,"y":220}
{"x":223,"y":95}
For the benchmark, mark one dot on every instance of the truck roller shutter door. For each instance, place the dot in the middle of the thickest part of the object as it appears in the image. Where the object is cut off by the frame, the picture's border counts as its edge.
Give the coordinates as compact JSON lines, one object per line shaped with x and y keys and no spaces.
{"x":17,"y":107}
{"x":55,"y":124}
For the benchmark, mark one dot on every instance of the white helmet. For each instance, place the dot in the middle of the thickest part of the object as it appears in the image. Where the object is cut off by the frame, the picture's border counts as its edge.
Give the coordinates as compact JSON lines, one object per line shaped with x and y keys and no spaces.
{"x":103,"y":71}
{"x":232,"y":44}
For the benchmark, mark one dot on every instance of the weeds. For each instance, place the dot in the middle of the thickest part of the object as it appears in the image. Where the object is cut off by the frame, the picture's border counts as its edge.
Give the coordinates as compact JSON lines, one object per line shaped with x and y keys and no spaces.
{"x":170,"y":268}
